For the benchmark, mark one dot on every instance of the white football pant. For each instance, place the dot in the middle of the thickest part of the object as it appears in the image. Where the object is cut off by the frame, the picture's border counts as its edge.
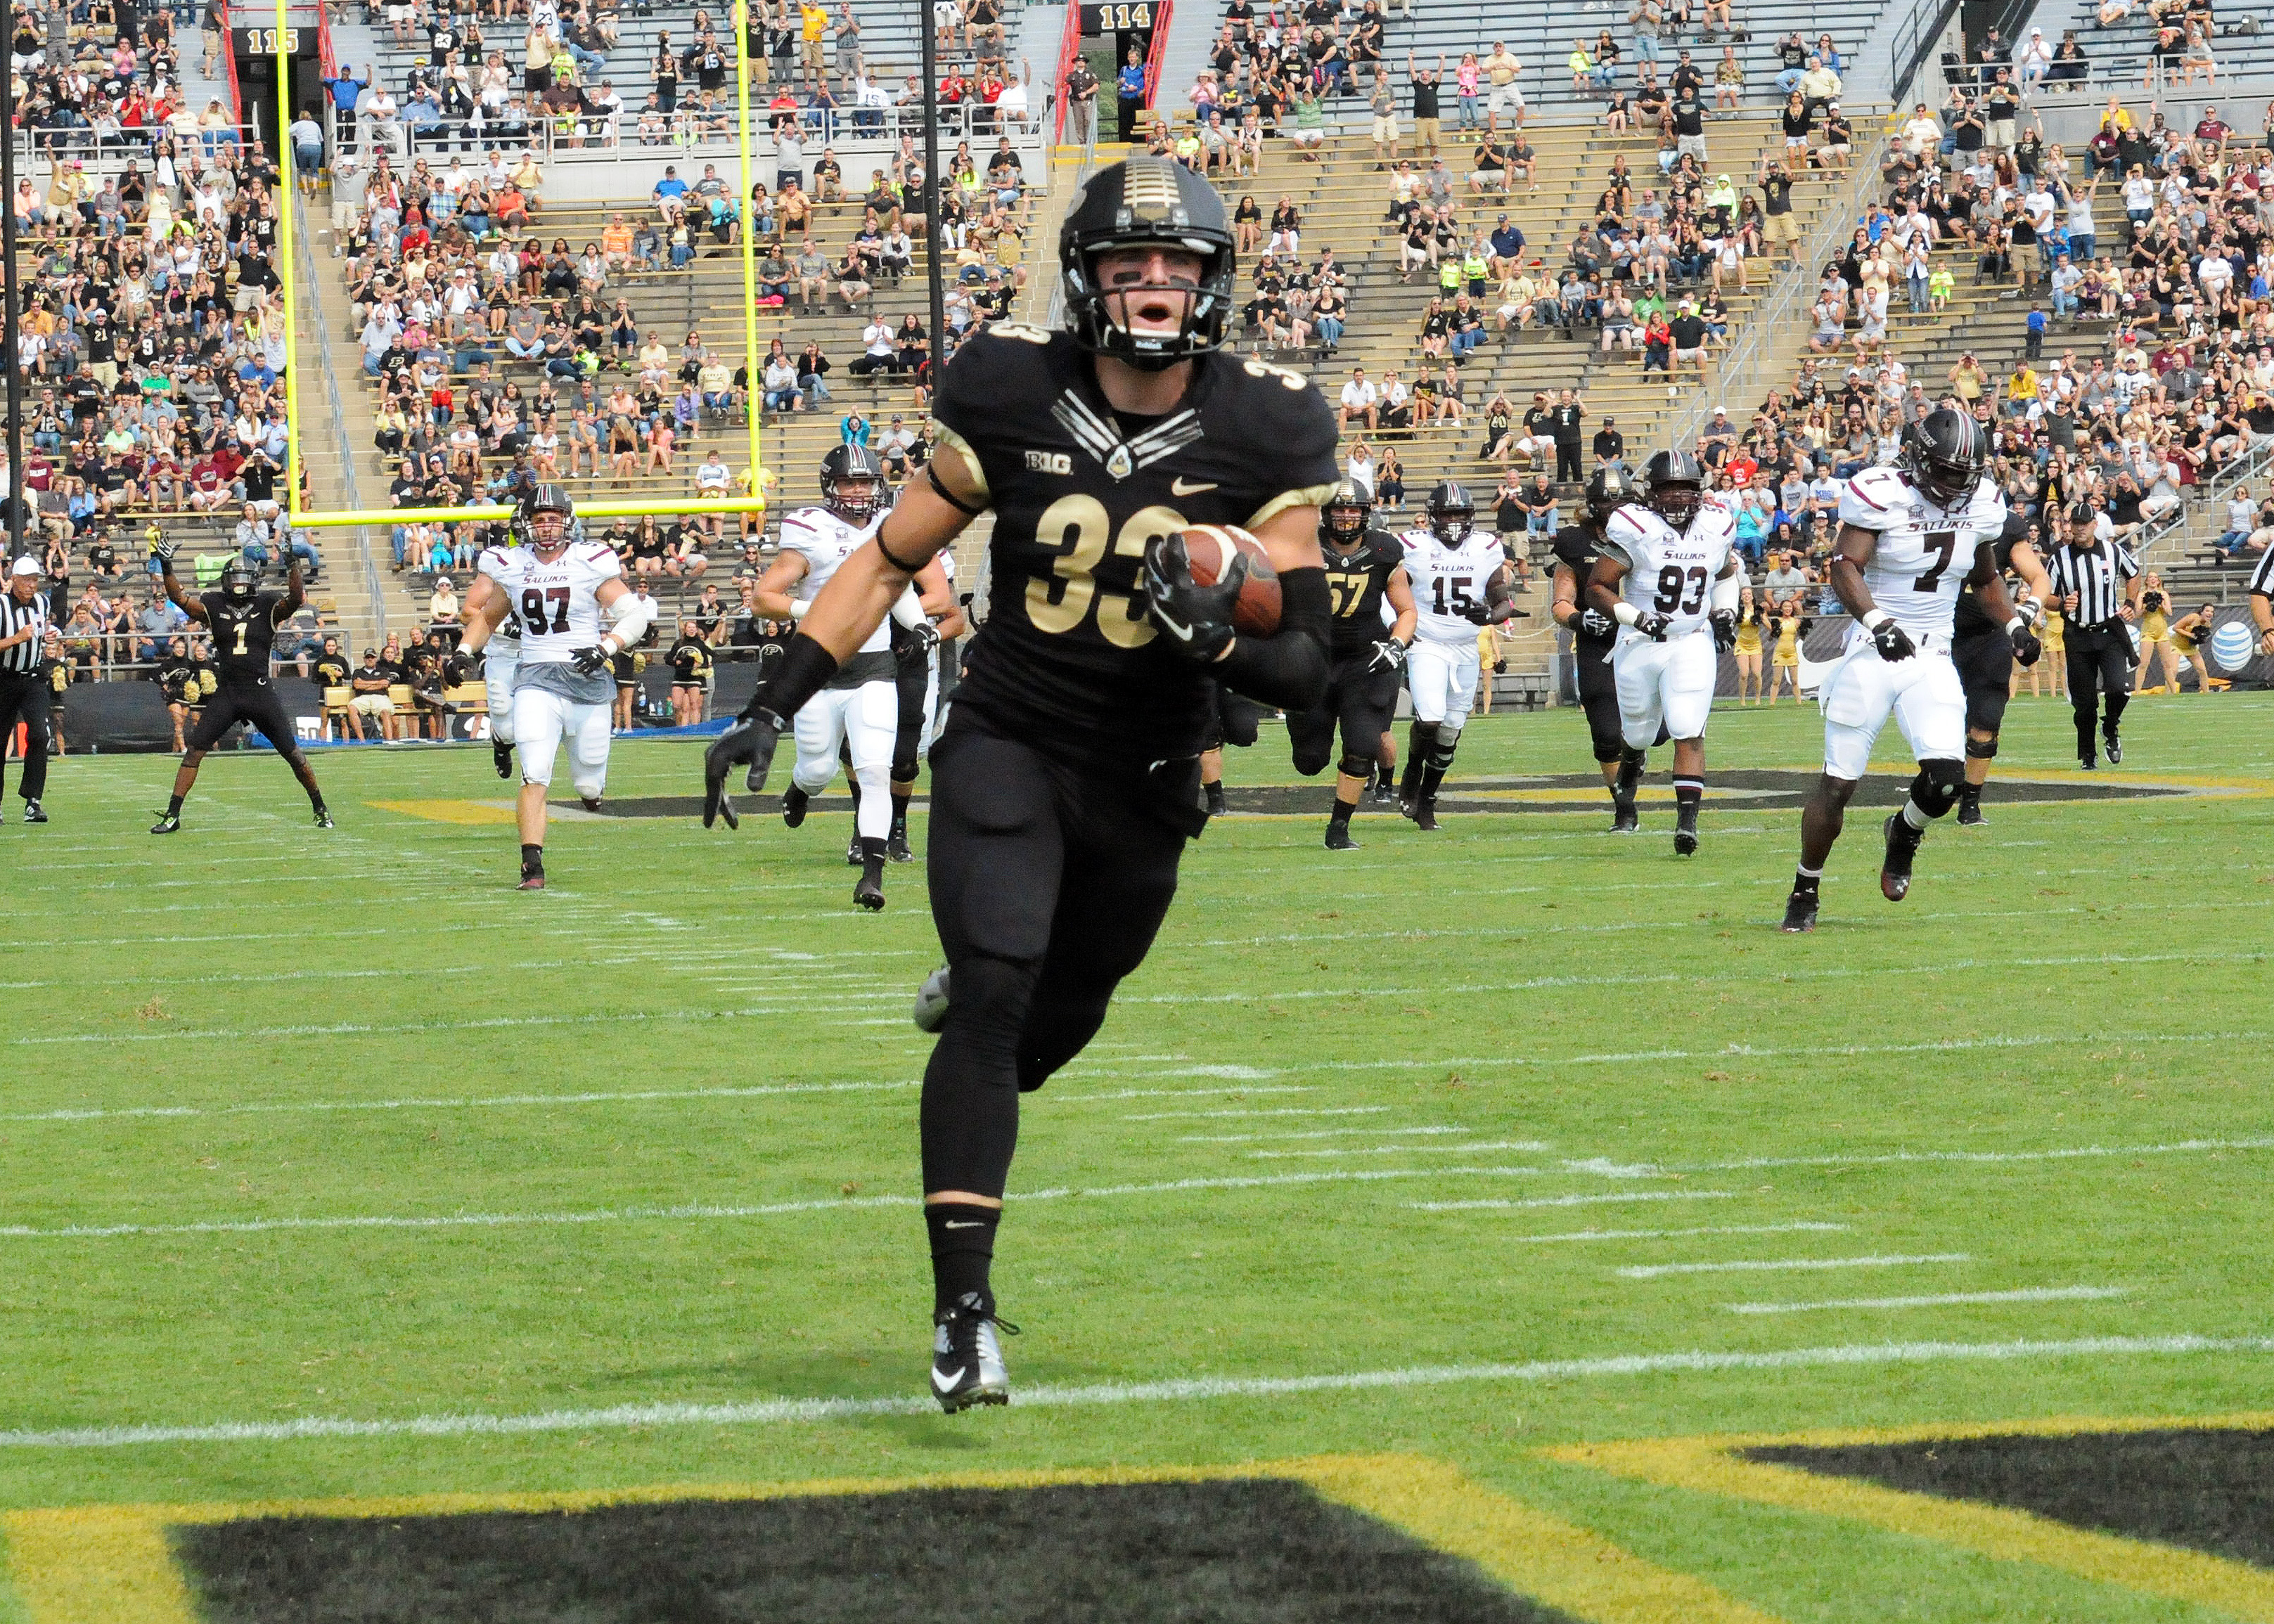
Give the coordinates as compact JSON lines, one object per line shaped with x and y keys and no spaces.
{"x":499,"y":667}
{"x":1669,"y":684}
{"x":1442,"y":677}
{"x":540,"y":717}
{"x":1923,"y":692}
{"x":866,"y":721}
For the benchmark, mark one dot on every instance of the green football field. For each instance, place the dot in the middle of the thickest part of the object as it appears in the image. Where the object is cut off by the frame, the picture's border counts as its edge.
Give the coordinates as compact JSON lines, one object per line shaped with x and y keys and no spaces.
{"x":336,"y":1168}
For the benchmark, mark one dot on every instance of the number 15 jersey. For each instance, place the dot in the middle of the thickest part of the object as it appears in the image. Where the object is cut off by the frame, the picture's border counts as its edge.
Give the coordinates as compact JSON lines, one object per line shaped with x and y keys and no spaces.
{"x":1447,"y":581}
{"x":1069,"y":660}
{"x":1671,"y":572}
{"x":1924,"y":551}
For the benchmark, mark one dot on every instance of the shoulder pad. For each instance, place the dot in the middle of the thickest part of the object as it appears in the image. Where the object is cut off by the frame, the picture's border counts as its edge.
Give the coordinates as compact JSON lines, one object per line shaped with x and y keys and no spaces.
{"x":1874,"y":500}
{"x":1622,"y":531}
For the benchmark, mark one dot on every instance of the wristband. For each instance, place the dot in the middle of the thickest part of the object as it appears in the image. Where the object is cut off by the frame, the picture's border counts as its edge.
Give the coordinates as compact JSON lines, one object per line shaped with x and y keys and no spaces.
{"x":1874,"y":618}
{"x":2016,"y":625}
{"x":1624,"y":613}
{"x":798,"y":607}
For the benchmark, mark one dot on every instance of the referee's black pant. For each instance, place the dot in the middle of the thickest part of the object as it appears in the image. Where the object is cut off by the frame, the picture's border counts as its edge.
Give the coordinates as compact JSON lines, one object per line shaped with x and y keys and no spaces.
{"x":24,"y":698}
{"x":1567,"y":462}
{"x":2099,"y":663}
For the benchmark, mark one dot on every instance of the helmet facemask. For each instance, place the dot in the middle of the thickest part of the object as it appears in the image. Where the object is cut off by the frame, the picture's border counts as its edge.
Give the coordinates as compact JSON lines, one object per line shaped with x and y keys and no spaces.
{"x":1346,"y":523}
{"x":238,"y":583}
{"x":856,"y":498}
{"x":1678,"y":502}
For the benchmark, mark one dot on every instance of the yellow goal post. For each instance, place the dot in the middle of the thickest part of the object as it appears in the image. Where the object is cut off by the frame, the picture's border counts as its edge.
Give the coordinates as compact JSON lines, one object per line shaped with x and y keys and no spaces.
{"x":754,"y":500}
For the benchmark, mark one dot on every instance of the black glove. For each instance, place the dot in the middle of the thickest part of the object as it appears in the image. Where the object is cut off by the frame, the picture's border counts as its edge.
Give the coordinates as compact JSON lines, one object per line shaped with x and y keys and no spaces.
{"x":1197,"y":618}
{"x":1724,"y":622}
{"x":1389,"y":655}
{"x":922,"y":638}
{"x":163,"y":549}
{"x":459,"y":668}
{"x":1892,"y":642}
{"x":1594,"y":623}
{"x":1478,"y":615}
{"x":2026,"y":646}
{"x":1651,"y":625}
{"x":750,"y":741}
{"x":591,"y":662}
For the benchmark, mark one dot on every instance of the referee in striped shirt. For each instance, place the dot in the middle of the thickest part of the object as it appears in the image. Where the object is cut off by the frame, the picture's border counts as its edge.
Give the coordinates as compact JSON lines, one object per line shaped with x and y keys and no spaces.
{"x":23,"y":697}
{"x":2261,"y":600}
{"x":2098,"y":584}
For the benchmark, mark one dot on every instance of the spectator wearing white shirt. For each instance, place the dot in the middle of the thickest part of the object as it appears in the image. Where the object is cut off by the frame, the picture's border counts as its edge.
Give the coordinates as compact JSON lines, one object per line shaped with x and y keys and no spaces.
{"x":1360,"y":399}
{"x":881,"y":351}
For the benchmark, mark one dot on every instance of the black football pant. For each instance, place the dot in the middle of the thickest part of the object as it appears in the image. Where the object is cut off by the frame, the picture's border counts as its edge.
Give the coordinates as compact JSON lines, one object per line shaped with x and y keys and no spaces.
{"x":1599,"y":697}
{"x":260,"y":707}
{"x":24,"y":698}
{"x":910,"y":683}
{"x":1985,"y":671}
{"x":1567,"y":462}
{"x":2099,"y":663}
{"x":1359,"y":703}
{"x":1049,"y":882}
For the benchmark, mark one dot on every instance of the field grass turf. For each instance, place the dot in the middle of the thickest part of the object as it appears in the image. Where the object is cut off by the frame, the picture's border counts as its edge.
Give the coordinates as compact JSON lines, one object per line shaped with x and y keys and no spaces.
{"x":351,"y":1131}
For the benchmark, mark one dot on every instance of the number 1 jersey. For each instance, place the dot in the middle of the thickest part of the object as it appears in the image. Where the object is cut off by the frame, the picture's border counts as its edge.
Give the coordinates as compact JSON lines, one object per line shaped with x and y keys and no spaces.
{"x":1069,"y":661}
{"x":1924,"y":551}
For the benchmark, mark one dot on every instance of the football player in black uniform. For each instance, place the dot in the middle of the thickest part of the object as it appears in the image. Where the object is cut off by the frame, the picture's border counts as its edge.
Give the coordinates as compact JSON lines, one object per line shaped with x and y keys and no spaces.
{"x":919,"y":652}
{"x":243,"y":621}
{"x":1986,"y":655}
{"x":1067,"y":780}
{"x":1366,"y":567}
{"x":1235,"y":722}
{"x":1592,"y":633}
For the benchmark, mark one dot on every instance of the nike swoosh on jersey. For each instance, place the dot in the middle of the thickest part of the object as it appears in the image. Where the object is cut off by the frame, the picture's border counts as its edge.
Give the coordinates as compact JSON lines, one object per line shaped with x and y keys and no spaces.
{"x":948,"y":1385}
{"x":1178,"y":487}
{"x":974,"y":1224}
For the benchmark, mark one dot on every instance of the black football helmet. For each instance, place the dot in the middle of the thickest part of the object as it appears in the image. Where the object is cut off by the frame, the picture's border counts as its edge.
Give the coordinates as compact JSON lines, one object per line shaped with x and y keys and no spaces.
{"x":1611,"y":489}
{"x":545,"y":497}
{"x":844,"y":472}
{"x":1944,"y":455}
{"x":1141,"y":203}
{"x":1347,"y":513}
{"x":239,"y":580}
{"x":1675,"y":485}
{"x":1452,"y":514}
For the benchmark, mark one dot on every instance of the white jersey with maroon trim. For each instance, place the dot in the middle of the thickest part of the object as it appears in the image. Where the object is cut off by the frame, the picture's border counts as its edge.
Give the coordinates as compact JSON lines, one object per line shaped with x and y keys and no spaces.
{"x":492,"y":564}
{"x":1449,"y":579}
{"x":1926,"y":551}
{"x":557,"y":604}
{"x":825,"y":541}
{"x":1672,"y":572}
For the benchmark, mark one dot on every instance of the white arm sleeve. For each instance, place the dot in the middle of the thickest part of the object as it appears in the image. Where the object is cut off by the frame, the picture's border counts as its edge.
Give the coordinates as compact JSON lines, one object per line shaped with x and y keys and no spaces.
{"x":907,"y":609}
{"x":631,"y":620}
{"x":1725,"y":591}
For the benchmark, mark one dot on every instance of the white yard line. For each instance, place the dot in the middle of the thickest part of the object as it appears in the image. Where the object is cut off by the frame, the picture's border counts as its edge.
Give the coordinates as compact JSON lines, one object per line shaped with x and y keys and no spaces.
{"x":1763,"y":1266}
{"x":1634,"y":1235}
{"x":781,"y":1411}
{"x":1284,"y":1110}
{"x":2034,"y":1294}
{"x":704,"y":1213}
{"x":1324,"y":1133}
{"x":1399,"y":1150}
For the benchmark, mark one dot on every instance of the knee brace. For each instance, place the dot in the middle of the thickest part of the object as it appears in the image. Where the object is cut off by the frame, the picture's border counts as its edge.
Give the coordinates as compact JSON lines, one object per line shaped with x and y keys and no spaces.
{"x":1441,"y":747}
{"x":1353,"y":767}
{"x":1935,"y":790}
{"x":1981,"y":750}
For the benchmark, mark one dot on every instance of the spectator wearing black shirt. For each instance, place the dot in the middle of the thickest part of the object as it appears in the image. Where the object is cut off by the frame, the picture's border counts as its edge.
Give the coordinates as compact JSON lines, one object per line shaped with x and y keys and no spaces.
{"x":1564,"y":420}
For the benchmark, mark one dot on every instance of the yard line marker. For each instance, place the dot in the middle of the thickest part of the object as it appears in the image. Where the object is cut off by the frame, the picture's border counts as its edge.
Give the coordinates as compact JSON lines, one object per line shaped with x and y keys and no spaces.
{"x":1319,"y":1133}
{"x":1754,"y":1265}
{"x":781,"y":1412}
{"x":1642,"y":1235}
{"x":1400,"y":1150}
{"x":1284,"y":1110}
{"x":1898,"y":1157}
{"x":2034,"y":1294}
{"x":707,"y":1212}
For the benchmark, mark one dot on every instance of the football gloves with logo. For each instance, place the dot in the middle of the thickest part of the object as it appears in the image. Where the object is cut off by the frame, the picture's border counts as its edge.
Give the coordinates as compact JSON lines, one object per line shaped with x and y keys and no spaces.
{"x":1196,"y":619}
{"x":1724,"y":622}
{"x":1594,"y":623}
{"x":751,"y":742}
{"x":2026,"y":646}
{"x":161,"y":548}
{"x":592,"y":661}
{"x":459,"y":669}
{"x":1651,"y":625}
{"x":1389,"y":655}
{"x":1891,"y":641}
{"x":922,"y":638}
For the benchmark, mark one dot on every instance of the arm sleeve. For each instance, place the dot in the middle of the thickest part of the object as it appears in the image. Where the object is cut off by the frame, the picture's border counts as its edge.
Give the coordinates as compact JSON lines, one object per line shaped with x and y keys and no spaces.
{"x":1288,"y":669}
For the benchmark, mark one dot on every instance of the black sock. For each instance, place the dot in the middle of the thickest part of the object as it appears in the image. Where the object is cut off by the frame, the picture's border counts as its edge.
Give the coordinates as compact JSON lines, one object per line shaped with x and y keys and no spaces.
{"x":1340,"y":816}
{"x":1807,"y":881}
{"x":872,"y":859}
{"x":532,"y":857}
{"x":1215,"y":792}
{"x":901,"y":814}
{"x":962,"y":1250}
{"x":1631,"y":764}
{"x":1688,"y":794}
{"x":174,"y":807}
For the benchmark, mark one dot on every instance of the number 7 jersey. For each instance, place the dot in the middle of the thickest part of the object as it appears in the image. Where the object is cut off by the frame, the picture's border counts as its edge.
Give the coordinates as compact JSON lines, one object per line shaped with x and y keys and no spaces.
{"x":1671,"y":572}
{"x":1924,"y":551}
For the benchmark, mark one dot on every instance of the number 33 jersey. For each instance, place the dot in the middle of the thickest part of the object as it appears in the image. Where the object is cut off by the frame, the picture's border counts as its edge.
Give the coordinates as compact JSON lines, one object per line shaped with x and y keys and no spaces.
{"x":556,"y":602}
{"x":1671,"y":572}
{"x":1069,"y":661}
{"x":1924,"y":551}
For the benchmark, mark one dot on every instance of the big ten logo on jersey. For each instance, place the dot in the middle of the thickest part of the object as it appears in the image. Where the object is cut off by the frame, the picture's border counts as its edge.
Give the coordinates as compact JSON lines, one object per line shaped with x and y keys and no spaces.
{"x":1061,"y":601}
{"x":1048,"y":462}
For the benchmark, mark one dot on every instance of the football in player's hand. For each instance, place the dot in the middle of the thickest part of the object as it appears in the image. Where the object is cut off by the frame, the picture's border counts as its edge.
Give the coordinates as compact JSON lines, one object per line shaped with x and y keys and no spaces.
{"x":1210,"y":548}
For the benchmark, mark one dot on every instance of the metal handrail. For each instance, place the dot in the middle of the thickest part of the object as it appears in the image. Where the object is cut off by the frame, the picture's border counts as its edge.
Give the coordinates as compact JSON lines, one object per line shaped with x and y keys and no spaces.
{"x":306,"y":271}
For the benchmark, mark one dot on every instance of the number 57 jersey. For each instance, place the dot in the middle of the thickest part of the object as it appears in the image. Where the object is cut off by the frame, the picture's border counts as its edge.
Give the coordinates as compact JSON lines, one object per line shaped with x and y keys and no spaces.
{"x":1069,"y":660}
{"x":1925,"y":551}
{"x":1671,"y":572}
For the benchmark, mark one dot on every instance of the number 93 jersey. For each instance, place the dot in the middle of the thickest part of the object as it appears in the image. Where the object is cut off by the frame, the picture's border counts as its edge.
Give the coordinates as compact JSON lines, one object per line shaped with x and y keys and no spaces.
{"x":1069,"y":660}
{"x":1924,"y":551}
{"x":1671,"y":572}
{"x":555,"y":603}
{"x":1449,"y":579}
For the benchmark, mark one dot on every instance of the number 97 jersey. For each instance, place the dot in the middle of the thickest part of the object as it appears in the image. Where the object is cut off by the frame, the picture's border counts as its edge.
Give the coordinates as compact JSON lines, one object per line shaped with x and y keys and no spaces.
{"x":557,"y":604}
{"x":1924,"y":551}
{"x":1671,"y":572}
